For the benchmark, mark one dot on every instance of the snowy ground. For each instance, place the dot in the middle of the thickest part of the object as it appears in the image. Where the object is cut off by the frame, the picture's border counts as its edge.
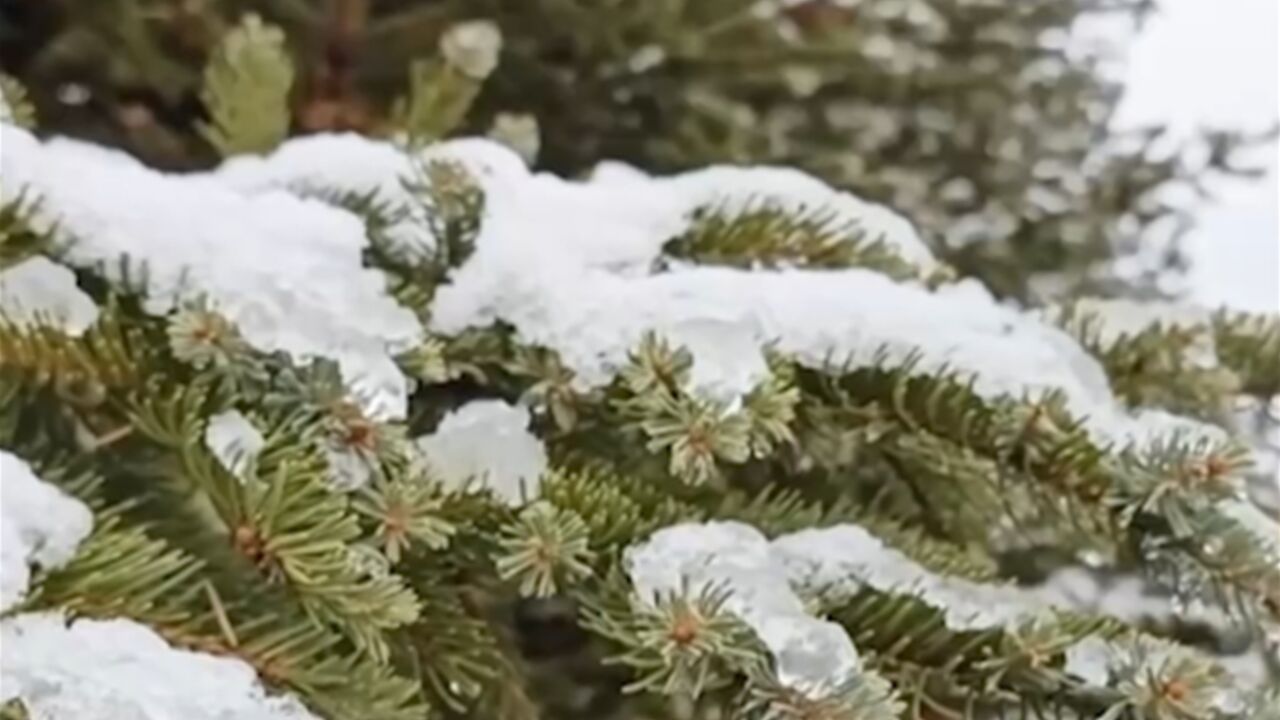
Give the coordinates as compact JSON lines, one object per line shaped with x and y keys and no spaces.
{"x":1217,"y":63}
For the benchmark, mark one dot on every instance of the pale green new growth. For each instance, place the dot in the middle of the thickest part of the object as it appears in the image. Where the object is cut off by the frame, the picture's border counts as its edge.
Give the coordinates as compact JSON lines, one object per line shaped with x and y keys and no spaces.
{"x":246,"y":90}
{"x":442,"y":89}
{"x":15,"y":105}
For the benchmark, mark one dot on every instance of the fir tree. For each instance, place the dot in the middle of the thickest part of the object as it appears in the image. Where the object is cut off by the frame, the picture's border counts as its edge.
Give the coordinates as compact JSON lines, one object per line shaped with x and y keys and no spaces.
{"x":359,"y":429}
{"x":987,"y":122}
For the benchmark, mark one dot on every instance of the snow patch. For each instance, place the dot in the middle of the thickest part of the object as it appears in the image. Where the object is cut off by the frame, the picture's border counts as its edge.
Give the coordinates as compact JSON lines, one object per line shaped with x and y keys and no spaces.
{"x":844,"y":558}
{"x":1090,"y":660}
{"x":38,"y":290}
{"x":118,"y":669}
{"x":487,"y":442}
{"x":350,"y":163}
{"x":235,"y":442}
{"x":39,"y":525}
{"x":571,"y":265}
{"x":287,"y":271}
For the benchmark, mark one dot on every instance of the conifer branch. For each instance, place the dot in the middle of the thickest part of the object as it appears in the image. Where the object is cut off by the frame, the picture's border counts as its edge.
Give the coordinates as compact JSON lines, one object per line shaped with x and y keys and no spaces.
{"x":763,"y":233}
{"x":19,"y":238}
{"x":16,"y":103}
{"x":286,"y":523}
{"x":1249,"y":344}
{"x":246,"y":90}
{"x":1156,"y":493}
{"x":442,"y":89}
{"x":1164,"y":367}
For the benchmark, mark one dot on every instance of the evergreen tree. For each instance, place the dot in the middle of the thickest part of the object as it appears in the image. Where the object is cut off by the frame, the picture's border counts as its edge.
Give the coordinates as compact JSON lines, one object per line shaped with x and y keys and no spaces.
{"x":986,"y":121}
{"x":359,"y":428}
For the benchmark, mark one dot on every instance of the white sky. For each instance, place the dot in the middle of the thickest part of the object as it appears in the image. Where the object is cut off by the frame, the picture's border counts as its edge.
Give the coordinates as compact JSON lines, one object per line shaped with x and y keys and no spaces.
{"x":1217,"y":62}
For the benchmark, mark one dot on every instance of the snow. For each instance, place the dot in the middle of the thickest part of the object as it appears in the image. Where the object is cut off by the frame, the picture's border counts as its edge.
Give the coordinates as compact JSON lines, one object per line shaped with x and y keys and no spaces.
{"x":287,"y":271}
{"x":811,"y":655}
{"x":37,"y":290}
{"x":844,"y":558}
{"x":235,"y":442}
{"x":120,"y":670}
{"x":857,"y":318}
{"x":39,"y":525}
{"x":571,"y":266}
{"x":768,"y":579}
{"x":841,"y":560}
{"x":350,"y":163}
{"x":348,"y":469}
{"x":472,"y":47}
{"x":726,"y":356}
{"x":518,"y":131}
{"x":1090,"y":660}
{"x":487,"y":442}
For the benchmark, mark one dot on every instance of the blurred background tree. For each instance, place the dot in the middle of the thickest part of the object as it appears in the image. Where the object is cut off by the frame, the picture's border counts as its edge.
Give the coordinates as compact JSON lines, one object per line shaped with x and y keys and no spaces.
{"x":985,"y":121}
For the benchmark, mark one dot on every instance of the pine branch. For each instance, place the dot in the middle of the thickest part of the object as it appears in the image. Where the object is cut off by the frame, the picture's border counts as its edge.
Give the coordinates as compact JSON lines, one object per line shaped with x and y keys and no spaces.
{"x":1162,"y":366}
{"x":616,"y":508}
{"x":246,"y":90}
{"x":16,"y":103}
{"x":957,"y":673}
{"x":462,"y":663}
{"x":441,"y":90}
{"x":122,"y":571}
{"x":777,"y":511}
{"x":545,"y":550}
{"x":1153,"y":495}
{"x":764,"y":234}
{"x":1249,"y":344}
{"x":112,"y":354}
{"x":684,"y":644}
{"x":285,"y":522}
{"x":19,"y":238}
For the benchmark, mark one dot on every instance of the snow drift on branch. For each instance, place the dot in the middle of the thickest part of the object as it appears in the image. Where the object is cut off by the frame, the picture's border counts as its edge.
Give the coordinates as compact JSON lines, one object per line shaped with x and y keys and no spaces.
{"x":39,"y":525}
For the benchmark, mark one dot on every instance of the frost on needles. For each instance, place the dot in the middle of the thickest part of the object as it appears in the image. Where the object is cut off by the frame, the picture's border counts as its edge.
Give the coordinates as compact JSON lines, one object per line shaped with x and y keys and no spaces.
{"x":342,"y":410}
